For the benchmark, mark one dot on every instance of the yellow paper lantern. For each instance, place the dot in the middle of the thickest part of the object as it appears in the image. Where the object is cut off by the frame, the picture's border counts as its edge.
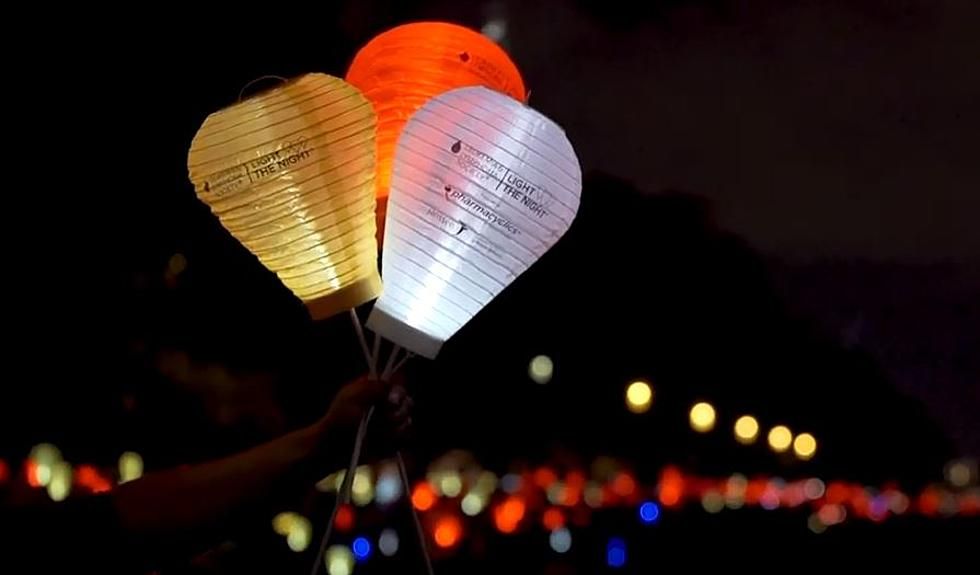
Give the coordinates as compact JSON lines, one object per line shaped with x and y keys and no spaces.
{"x":290,"y":173}
{"x":400,"y":69}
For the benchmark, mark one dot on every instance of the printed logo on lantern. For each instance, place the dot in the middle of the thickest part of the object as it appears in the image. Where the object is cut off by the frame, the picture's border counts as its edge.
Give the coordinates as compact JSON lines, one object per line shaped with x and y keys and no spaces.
{"x":230,"y":180}
{"x":483,"y":168}
{"x":444,"y":222}
{"x":473,"y":206}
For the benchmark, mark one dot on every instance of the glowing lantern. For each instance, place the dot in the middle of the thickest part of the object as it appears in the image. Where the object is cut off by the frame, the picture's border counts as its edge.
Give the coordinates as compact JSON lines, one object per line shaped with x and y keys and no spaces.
{"x":482,"y":187}
{"x":400,"y":69}
{"x":290,"y":173}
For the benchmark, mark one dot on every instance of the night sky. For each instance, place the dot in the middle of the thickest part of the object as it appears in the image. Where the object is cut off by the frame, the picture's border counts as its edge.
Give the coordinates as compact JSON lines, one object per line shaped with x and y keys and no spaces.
{"x":839,"y":139}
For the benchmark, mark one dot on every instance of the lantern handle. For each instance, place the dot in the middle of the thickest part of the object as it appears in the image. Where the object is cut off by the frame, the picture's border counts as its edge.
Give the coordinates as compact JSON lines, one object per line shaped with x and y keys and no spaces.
{"x":241,"y":93}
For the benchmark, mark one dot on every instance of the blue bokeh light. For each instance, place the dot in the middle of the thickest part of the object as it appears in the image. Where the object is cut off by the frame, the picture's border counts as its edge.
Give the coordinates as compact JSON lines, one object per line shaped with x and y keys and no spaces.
{"x":361,"y":548}
{"x":616,"y":552}
{"x":649,"y":512}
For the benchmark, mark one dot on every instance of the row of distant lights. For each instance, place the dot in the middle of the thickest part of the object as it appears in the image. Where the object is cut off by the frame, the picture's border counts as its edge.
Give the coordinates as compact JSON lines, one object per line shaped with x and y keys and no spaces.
{"x":702,"y":416}
{"x":45,"y":467}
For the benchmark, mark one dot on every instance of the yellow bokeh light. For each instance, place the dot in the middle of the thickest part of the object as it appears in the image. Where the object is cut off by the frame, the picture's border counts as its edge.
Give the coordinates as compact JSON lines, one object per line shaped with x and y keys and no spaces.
{"x":362,"y":490}
{"x":44,"y":456}
{"x":59,"y":485}
{"x":541,"y":369}
{"x":283,"y":522}
{"x":130,"y":466}
{"x":340,"y":560}
{"x":473,"y":503}
{"x":639,"y":396}
{"x":780,"y":438}
{"x":702,"y":417}
{"x":805,"y":446}
{"x":300,"y":533}
{"x":746,"y":429}
{"x":450,"y":484}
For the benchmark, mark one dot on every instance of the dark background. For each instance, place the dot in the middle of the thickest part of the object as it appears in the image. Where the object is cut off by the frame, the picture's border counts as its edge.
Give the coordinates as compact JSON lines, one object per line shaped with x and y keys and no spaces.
{"x":779,"y":217}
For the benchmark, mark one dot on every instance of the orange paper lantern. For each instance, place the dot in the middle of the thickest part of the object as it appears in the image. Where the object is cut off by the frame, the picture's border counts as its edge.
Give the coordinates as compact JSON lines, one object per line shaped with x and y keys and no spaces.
{"x":399,"y":70}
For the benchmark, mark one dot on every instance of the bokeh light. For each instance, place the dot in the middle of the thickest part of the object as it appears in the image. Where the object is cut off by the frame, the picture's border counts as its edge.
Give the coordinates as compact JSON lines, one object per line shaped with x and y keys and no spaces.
{"x":624,"y":485}
{"x":560,"y":540}
{"x":362,"y":489}
{"x":712,"y":501}
{"x":540,"y":369}
{"x":423,"y":497}
{"x":339,"y":560}
{"x":780,"y":438}
{"x":832,"y":514}
{"x":388,"y":542}
{"x":553,"y":518}
{"x":814,"y":524}
{"x":448,"y":531}
{"x":649,"y":512}
{"x":511,"y":483}
{"x":473,"y":503}
{"x":42,"y":458}
{"x":639,"y":396}
{"x":450,"y":484}
{"x":60,"y":484}
{"x":282,"y":523}
{"x":805,"y":446}
{"x":746,"y":429}
{"x":361,"y":548}
{"x":616,"y":552}
{"x":508,"y":515}
{"x":960,"y":473}
{"x":345,"y":518}
{"x":593,"y":494}
{"x":4,"y":471}
{"x":814,"y":488}
{"x":389,"y":487}
{"x":299,"y":535}
{"x":130,"y":466}
{"x":702,"y":417}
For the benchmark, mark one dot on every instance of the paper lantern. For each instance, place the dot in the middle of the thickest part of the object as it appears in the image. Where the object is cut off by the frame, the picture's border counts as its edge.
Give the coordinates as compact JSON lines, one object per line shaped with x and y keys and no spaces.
{"x":400,"y":69}
{"x":290,"y":173}
{"x":482,"y":187}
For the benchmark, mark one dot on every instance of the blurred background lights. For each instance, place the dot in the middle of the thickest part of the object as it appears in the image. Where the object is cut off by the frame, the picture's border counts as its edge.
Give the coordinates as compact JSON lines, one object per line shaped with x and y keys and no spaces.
{"x":389,"y":487}
{"x":702,"y":417}
{"x":961,"y":473}
{"x":42,"y":458}
{"x":508,"y":515}
{"x":616,"y":552}
{"x":649,"y":512}
{"x":448,"y":531}
{"x":639,"y":396}
{"x":712,"y":501}
{"x":299,"y":535}
{"x":560,"y":540}
{"x":780,"y":438}
{"x":130,"y":466}
{"x":345,"y":518}
{"x":423,"y":497}
{"x":593,"y":494}
{"x":60,"y":485}
{"x":510,"y":483}
{"x":450,"y":484}
{"x":339,"y":560}
{"x":814,"y":524}
{"x":805,"y":446}
{"x":495,"y":29}
{"x":746,"y":429}
{"x":283,"y":522}
{"x":541,"y":369}
{"x":814,"y":488}
{"x":473,"y":503}
{"x":388,"y":542}
{"x":361,"y":548}
{"x":331,"y":482}
{"x":362,"y":490}
{"x":553,"y":519}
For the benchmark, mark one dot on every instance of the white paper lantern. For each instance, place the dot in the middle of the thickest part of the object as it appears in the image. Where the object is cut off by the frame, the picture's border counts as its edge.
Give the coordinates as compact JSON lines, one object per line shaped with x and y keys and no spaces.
{"x":482,"y":187}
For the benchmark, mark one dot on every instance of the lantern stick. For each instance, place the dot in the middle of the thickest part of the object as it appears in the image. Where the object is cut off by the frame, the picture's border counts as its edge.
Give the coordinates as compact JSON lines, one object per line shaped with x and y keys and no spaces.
{"x":368,"y":356}
{"x":376,"y":350}
{"x":415,"y":514}
{"x":389,"y":367}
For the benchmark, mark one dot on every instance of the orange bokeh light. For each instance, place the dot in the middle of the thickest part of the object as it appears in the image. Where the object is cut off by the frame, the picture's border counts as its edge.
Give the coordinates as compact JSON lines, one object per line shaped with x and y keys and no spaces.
{"x":423,"y":497}
{"x":448,"y":531}
{"x":553,"y":518}
{"x":90,"y":478}
{"x":4,"y":471}
{"x":543,"y":477}
{"x":30,"y":471}
{"x":624,"y":485}
{"x":671,"y":487}
{"x":509,"y":514}
{"x":345,"y":518}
